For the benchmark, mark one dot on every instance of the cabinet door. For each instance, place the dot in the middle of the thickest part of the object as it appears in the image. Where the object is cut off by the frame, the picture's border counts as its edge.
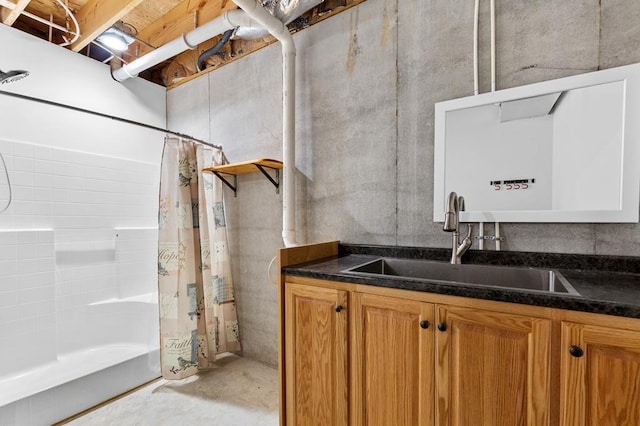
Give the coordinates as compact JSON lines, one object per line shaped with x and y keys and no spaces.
{"x":392,"y":361}
{"x":492,"y":368}
{"x":600,"y":380}
{"x":316,"y":356}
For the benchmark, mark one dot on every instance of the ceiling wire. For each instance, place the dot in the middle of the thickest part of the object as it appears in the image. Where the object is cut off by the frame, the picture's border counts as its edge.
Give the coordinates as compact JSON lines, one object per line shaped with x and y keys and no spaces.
{"x":50,"y":23}
{"x":75,"y":23}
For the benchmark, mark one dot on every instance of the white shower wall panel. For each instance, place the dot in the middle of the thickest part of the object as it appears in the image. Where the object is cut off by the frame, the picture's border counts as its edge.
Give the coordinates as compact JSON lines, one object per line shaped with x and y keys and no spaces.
{"x":82,"y":177}
{"x":136,"y":261}
{"x":78,"y":247}
{"x":27,"y":299}
{"x":60,"y":75}
{"x":64,"y":189}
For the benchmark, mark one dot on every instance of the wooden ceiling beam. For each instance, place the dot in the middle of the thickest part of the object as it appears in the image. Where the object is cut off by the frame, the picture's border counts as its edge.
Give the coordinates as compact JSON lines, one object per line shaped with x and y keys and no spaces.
{"x":181,"y":19}
{"x":98,"y":15}
{"x":10,"y":16}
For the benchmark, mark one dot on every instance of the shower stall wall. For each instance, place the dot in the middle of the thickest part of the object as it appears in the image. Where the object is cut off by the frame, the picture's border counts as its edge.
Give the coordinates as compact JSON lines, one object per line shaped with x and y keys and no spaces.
{"x":78,"y":248}
{"x":78,"y":280}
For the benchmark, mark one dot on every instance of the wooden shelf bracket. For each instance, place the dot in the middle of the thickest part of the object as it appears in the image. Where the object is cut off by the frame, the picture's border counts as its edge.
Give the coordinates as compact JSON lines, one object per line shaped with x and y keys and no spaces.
{"x":233,"y":187}
{"x":275,"y":181}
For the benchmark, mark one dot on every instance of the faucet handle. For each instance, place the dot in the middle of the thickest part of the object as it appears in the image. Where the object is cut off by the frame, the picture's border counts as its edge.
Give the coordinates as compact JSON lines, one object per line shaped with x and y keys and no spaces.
{"x":469,"y":230}
{"x":465,"y":245}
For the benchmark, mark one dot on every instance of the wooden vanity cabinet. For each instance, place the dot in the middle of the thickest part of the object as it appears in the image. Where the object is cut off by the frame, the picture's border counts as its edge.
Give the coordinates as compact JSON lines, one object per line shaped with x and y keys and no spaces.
{"x":411,"y":362}
{"x":492,"y":368}
{"x":316,"y":355}
{"x":354,"y":354}
{"x":600,"y":375}
{"x":391,"y":361}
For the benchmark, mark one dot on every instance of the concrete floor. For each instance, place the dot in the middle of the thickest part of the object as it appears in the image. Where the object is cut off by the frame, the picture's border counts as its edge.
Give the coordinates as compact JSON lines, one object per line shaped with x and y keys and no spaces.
{"x":237,"y":391}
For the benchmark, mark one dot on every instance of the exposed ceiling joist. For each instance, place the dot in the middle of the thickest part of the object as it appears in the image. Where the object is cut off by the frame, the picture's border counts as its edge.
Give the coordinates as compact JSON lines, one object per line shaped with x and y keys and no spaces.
{"x":98,"y":15}
{"x":153,"y":23}
{"x":10,"y":16}
{"x":182,"y":68}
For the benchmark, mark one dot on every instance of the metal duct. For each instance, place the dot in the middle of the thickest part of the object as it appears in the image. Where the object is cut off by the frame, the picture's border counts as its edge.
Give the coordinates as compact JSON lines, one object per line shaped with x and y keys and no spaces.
{"x":285,"y":10}
{"x":250,"y":33}
{"x":288,"y":10}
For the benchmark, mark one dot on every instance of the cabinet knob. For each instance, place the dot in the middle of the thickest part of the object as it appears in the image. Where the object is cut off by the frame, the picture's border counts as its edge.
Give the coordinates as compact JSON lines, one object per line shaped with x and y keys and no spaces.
{"x":424,"y":324}
{"x":338,"y":308}
{"x":576,"y":351}
{"x":442,"y":326}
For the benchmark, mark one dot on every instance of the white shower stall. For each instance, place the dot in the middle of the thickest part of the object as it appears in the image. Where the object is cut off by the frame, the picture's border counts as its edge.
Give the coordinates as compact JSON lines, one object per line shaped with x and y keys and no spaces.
{"x":78,"y":240}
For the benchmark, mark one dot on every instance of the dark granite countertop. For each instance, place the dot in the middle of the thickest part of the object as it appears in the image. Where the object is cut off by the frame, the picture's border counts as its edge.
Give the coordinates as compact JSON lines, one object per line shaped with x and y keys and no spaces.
{"x":606,"y":284}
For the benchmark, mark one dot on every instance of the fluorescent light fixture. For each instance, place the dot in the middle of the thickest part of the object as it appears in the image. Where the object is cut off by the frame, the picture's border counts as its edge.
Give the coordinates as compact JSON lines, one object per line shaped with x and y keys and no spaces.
{"x":115,"y":39}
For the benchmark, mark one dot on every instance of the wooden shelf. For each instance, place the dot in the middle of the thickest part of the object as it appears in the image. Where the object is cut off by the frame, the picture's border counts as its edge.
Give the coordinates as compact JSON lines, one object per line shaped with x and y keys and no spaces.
{"x":253,"y":166}
{"x":245,"y":167}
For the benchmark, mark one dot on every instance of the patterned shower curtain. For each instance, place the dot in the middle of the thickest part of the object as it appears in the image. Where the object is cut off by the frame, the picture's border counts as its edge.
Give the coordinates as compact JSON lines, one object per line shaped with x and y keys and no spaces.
{"x":197,"y":308}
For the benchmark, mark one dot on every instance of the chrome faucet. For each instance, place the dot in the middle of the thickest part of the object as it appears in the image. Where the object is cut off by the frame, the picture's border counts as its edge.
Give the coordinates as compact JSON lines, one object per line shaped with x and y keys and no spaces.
{"x":455,"y":205}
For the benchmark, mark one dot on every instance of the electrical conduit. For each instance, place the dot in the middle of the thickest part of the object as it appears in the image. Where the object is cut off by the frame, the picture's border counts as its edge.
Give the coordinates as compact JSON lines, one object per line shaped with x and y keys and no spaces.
{"x":476,"y":17}
{"x":493,"y":86}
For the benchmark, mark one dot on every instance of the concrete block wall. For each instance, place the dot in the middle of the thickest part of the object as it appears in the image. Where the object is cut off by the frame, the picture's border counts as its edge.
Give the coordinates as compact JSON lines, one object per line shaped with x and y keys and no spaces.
{"x":367,"y":83}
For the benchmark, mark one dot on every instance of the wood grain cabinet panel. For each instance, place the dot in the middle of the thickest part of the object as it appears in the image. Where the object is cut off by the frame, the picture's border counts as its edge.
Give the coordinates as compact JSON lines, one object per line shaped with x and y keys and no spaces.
{"x":492,"y":368}
{"x":355,"y":355}
{"x":316,"y":356}
{"x":600,"y":380}
{"x":392,"y":361}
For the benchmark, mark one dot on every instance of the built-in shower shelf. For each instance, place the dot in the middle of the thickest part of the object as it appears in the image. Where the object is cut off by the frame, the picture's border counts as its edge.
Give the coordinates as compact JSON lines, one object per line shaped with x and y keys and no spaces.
{"x":263,"y":165}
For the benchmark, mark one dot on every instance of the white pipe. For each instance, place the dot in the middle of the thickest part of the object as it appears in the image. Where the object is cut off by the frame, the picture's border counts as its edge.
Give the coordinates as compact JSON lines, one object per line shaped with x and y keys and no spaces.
{"x":75,"y":23}
{"x":267,"y":21}
{"x":277,"y":29}
{"x":497,"y":232}
{"x":188,"y":41}
{"x":476,"y":17}
{"x":481,"y":236}
{"x":493,"y":45}
{"x":250,"y":15}
{"x":288,"y":150}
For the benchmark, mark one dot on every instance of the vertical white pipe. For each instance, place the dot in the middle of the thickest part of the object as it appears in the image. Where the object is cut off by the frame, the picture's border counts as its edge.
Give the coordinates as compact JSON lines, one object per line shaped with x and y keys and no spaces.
{"x":277,"y":29}
{"x":476,"y":18}
{"x":289,"y":147}
{"x":493,"y":45}
{"x":497,"y":226}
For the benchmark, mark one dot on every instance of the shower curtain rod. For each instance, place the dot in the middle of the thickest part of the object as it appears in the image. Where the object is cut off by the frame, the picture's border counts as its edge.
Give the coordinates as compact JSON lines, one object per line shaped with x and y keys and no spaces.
{"x":100,"y":114}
